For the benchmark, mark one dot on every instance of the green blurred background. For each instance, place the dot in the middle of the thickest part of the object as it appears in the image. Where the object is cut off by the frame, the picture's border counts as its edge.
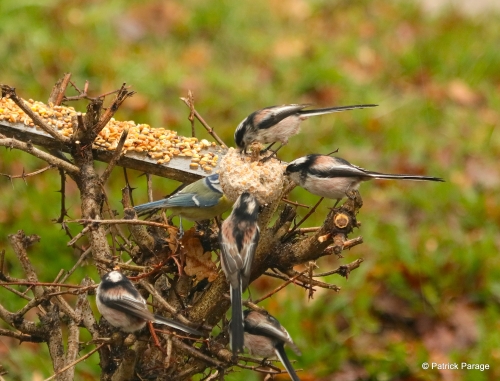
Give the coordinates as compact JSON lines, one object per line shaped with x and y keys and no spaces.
{"x":429,"y":289}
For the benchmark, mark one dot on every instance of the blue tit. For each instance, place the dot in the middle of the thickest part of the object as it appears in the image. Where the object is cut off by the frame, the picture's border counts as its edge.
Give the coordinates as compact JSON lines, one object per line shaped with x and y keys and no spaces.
{"x":201,"y":200}
{"x":238,"y":239}
{"x":266,"y":337}
{"x":279,"y":123}
{"x":332,"y":177}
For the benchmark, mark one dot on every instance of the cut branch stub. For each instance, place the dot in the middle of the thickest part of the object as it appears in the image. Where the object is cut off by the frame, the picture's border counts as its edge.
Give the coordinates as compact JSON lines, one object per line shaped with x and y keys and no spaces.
{"x":344,"y":221}
{"x":341,"y":220}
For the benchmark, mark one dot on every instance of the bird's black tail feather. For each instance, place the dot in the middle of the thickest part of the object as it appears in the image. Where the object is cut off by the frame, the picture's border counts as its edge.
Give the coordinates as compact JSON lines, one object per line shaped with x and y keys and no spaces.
{"x":172,"y":323}
{"x":321,"y":111}
{"x":379,"y":175}
{"x":237,"y":332}
{"x":280,"y":352}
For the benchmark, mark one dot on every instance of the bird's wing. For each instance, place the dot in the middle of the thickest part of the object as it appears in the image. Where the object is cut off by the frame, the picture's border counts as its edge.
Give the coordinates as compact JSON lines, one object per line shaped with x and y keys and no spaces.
{"x":132,"y":307}
{"x":271,"y":116}
{"x":193,"y":200}
{"x":337,"y":167}
{"x":271,"y":328}
{"x":232,"y":262}
{"x":248,"y":252}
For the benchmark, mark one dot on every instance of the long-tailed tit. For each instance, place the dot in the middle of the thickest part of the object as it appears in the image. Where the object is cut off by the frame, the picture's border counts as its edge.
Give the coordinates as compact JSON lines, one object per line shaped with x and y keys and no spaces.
{"x":201,"y":200}
{"x":332,"y":177}
{"x":266,"y":337}
{"x":279,"y":123}
{"x":123,"y":306}
{"x":238,"y":238}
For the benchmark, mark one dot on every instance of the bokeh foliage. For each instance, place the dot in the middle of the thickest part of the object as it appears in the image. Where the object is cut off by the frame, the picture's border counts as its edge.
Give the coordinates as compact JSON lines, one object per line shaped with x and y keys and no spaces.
{"x":428,"y":289}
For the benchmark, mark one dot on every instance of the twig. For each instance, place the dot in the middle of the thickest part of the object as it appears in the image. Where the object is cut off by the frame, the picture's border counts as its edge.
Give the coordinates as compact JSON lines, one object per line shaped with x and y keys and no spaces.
{"x":273,"y":370}
{"x":27,"y":283}
{"x":66,"y":308}
{"x":149,"y":182}
{"x":124,"y":266}
{"x":127,"y":186}
{"x":75,"y":362}
{"x":21,"y":336}
{"x":343,"y":270}
{"x":168,"y":358}
{"x":59,"y":89}
{"x":11,"y":92}
{"x":126,"y":222}
{"x":302,"y":220}
{"x":83,"y":94}
{"x":2,"y":260}
{"x":20,"y":243}
{"x":31,"y":304}
{"x":63,"y":199}
{"x":205,"y":124}
{"x":149,"y":287}
{"x":195,"y":353}
{"x":78,"y":236}
{"x":352,"y":242}
{"x":28,"y":147}
{"x":328,"y":286}
{"x":305,"y":282}
{"x":307,"y":230}
{"x":121,"y":96}
{"x":24,"y":175}
{"x":311,"y":266}
{"x":75,"y":266}
{"x":190,"y":99}
{"x":15,"y":292}
{"x":295,"y":203}
{"x":116,"y":156}
{"x":287,"y":282}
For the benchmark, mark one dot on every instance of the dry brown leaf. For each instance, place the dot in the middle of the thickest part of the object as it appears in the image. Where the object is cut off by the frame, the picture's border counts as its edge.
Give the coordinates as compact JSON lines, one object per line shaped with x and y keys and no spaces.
{"x":202,"y":267}
{"x":198,"y":263}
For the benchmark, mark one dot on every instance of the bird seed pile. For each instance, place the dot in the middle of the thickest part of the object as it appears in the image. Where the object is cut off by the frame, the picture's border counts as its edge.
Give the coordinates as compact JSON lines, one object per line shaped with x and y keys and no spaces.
{"x":239,"y":173}
{"x":159,"y":144}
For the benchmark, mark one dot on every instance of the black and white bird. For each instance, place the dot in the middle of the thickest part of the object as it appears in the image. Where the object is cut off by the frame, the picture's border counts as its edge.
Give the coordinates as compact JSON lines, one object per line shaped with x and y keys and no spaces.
{"x":238,"y":238}
{"x":332,"y":177}
{"x":279,"y":123}
{"x":266,"y":337}
{"x":123,"y":307}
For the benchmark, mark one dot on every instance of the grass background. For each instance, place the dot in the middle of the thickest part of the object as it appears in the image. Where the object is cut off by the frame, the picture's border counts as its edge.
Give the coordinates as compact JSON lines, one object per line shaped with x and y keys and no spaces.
{"x":429,"y":288}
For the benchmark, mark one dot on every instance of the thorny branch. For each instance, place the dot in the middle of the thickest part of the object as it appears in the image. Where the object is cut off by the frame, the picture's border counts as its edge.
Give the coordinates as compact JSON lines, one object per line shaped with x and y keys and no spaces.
{"x":190,"y":103}
{"x":25,"y":175}
{"x":50,"y":159}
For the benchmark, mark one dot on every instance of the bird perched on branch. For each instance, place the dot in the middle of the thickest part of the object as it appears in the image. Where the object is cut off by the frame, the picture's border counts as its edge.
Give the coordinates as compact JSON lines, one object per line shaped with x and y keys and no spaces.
{"x":201,"y":200}
{"x":266,"y":337}
{"x":332,"y":177}
{"x":238,"y":238}
{"x":123,"y":306}
{"x":279,"y":123}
